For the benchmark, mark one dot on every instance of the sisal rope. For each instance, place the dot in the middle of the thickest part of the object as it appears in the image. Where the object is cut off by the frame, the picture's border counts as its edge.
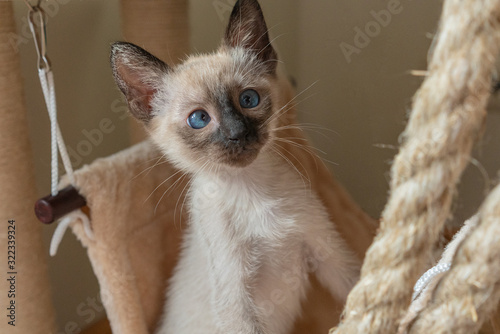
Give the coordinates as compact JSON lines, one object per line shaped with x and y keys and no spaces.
{"x":34,"y":311}
{"x":448,"y":115}
{"x":159,"y":26}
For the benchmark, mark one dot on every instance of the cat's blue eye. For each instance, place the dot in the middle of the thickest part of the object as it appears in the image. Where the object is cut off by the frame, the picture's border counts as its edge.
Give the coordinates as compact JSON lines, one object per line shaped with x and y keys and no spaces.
{"x":198,"y":119}
{"x":249,"y":99}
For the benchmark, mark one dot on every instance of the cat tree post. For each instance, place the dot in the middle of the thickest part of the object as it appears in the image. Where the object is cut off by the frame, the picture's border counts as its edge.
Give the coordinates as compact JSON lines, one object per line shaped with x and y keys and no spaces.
{"x":33,"y":306}
{"x":159,"y":26}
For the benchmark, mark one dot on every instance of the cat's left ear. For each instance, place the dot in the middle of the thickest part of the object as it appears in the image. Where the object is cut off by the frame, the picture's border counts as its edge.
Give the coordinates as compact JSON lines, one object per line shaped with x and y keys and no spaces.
{"x":138,"y":74}
{"x":247,"y":28}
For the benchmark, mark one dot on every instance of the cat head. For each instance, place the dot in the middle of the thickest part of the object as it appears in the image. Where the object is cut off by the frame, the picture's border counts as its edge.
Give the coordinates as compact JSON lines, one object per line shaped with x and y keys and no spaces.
{"x":217,"y":108}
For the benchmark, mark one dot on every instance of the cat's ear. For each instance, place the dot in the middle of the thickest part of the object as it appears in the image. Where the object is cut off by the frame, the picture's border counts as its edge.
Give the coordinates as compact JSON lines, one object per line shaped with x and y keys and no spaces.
{"x":138,"y":74}
{"x":247,"y":28}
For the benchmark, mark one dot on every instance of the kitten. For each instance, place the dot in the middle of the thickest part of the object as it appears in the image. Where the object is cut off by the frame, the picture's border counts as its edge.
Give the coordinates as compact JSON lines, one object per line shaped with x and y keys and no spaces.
{"x":255,"y":231}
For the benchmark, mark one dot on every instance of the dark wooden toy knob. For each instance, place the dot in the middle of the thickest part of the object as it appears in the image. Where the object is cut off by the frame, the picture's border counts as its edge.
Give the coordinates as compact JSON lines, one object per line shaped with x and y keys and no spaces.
{"x":50,"y":208}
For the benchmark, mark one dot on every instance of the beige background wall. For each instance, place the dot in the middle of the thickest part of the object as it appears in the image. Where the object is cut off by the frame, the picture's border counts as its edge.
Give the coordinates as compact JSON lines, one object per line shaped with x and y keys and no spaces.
{"x":359,"y":102}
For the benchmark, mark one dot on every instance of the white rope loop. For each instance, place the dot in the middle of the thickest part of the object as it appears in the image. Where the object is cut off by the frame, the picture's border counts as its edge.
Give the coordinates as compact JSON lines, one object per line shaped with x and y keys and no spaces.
{"x":58,"y":146}
{"x":56,"y":140}
{"x":63,"y":226}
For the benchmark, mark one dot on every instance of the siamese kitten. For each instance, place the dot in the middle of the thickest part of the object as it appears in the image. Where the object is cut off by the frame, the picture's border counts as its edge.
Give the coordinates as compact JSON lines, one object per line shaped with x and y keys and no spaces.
{"x":255,"y":231}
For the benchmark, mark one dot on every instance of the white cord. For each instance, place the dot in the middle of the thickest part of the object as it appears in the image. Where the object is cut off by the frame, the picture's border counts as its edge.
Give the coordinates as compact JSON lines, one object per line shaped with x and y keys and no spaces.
{"x":49,"y":92}
{"x":65,"y":156}
{"x":51,"y":108}
{"x":57,"y":142}
{"x":428,"y":276}
{"x":63,"y":226}
{"x":444,"y":263}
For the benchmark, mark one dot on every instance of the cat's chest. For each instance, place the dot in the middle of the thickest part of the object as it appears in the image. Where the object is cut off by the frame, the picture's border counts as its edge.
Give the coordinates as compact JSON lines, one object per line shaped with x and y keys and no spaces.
{"x":245,"y":206}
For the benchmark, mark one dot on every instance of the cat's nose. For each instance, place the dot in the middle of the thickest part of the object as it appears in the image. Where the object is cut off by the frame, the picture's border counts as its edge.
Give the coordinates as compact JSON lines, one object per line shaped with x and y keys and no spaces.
{"x":234,"y":127}
{"x":236,"y":131}
{"x":237,"y":135}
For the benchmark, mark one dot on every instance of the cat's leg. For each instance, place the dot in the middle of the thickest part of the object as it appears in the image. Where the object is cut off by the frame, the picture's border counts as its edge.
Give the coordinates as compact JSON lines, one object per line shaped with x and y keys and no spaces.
{"x":232,"y":270}
{"x":330,"y":259}
{"x":282,"y":285}
{"x":188,"y":305}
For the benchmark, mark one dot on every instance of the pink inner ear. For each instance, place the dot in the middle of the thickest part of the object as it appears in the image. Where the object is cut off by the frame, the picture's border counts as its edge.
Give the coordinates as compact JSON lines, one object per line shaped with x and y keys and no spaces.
{"x":142,"y":97}
{"x":138,"y":91}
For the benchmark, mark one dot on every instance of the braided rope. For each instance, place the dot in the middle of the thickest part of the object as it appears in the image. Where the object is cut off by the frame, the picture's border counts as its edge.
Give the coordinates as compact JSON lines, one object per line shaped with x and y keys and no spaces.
{"x":448,"y":115}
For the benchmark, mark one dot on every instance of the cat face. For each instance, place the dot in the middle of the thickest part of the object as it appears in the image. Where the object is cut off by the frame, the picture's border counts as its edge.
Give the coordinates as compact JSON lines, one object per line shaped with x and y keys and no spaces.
{"x":215,"y":108}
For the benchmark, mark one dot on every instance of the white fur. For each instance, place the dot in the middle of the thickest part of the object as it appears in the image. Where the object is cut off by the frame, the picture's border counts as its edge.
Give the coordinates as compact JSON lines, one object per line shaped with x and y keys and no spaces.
{"x":255,"y":235}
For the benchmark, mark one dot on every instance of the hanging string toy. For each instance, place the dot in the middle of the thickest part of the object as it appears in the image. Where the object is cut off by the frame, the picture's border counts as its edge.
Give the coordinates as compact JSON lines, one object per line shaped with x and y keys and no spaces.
{"x":59,"y":202}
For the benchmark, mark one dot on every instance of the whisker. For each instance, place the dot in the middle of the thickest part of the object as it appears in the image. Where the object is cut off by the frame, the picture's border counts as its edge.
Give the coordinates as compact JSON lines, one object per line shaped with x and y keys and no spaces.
{"x":317,"y":127}
{"x":279,"y":112}
{"x":188,"y":187}
{"x":181,"y":178}
{"x":150,"y":168}
{"x":311,"y":150}
{"x":185,"y":197}
{"x":302,"y":177}
{"x":306,"y":148}
{"x":287,"y":127}
{"x":166,"y":180}
{"x":172,"y":186}
{"x":270,"y":42}
{"x":302,"y":139}
{"x":323,"y":160}
{"x":321,"y":134}
{"x":307,"y":177}
{"x":263,"y":35}
{"x":158,"y":158}
{"x":309,"y":127}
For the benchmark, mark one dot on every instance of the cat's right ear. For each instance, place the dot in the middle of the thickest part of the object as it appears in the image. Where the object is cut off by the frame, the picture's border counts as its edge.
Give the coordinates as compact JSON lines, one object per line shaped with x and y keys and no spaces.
{"x":247,"y":29}
{"x":138,"y":74}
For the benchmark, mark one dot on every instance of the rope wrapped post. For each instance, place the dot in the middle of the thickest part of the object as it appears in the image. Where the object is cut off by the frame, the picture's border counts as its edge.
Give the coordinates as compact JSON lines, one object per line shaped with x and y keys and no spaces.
{"x":33,"y":305}
{"x":159,"y":26}
{"x":448,"y":115}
